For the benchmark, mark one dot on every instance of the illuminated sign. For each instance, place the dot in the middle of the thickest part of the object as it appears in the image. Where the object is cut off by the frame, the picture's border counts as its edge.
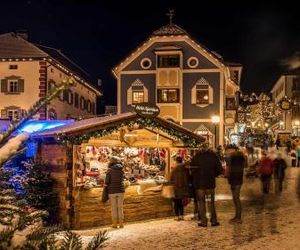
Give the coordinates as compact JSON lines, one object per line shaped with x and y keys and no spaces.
{"x":285,"y":104}
{"x":147,"y":110}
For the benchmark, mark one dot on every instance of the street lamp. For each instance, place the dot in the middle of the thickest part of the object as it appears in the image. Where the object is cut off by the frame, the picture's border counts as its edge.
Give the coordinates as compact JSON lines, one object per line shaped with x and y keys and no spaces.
{"x":281,"y":123}
{"x":215,"y":120}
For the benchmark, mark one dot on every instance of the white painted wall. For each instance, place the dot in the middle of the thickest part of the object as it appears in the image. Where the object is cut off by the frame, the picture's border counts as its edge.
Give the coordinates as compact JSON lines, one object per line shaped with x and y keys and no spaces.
{"x":29,"y":71}
{"x":63,"y":108}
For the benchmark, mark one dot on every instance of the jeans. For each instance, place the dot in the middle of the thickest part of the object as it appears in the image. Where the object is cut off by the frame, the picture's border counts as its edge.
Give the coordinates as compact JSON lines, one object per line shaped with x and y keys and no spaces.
{"x":236,"y":200}
{"x":116,"y":203}
{"x":201,"y":193}
{"x":266,"y":181}
{"x":178,"y":207}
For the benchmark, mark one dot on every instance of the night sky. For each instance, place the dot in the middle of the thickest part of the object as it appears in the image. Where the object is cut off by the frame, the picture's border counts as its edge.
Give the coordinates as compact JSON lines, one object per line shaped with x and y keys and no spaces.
{"x":97,"y":36}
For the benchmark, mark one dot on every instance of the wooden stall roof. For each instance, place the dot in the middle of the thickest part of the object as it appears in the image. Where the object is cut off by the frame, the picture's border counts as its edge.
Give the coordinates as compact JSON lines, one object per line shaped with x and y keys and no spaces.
{"x":97,"y":123}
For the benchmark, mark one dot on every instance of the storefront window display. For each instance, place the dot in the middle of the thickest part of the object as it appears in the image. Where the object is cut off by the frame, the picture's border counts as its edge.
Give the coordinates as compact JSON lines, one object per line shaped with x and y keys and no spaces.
{"x":91,"y":163}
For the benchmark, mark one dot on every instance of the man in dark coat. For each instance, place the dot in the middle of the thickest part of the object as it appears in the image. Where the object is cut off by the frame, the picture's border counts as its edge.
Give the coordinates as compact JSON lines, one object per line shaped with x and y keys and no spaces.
{"x":206,"y":167}
{"x":279,"y":172}
{"x":235,"y":173}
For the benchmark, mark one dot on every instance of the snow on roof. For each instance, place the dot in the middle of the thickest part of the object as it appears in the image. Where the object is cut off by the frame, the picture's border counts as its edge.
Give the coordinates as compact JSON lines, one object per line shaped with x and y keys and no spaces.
{"x":85,"y":124}
{"x":96,"y":123}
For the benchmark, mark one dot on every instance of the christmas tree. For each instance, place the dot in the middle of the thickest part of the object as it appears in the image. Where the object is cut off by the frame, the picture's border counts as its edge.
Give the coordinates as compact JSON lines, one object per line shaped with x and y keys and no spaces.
{"x":15,"y":215}
{"x":38,"y":186}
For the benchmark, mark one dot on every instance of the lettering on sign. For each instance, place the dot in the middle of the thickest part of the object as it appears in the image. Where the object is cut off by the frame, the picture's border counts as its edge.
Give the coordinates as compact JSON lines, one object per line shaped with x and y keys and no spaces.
{"x":147,"y":110}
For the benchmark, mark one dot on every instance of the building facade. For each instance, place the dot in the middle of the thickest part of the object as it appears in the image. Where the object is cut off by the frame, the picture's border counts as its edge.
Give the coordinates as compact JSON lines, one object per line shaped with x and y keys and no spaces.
{"x":28,"y":71}
{"x":288,"y":86}
{"x":188,"y":82}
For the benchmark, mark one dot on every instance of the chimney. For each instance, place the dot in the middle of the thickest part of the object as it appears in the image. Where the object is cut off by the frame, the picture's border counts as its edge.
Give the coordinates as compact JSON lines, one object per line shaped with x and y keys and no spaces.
{"x":23,"y":34}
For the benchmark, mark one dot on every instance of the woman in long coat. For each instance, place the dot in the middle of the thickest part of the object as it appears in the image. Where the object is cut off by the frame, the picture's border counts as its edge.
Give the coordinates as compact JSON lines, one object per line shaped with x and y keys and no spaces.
{"x":180,"y":182}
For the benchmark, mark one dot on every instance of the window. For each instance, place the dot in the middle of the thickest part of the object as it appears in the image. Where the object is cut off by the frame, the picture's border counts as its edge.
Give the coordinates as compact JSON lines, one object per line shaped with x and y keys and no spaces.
{"x":137,"y":97}
{"x":13,"y":114}
{"x":13,"y":86}
{"x":167,"y":95}
{"x":76,"y":100}
{"x":13,"y":66}
{"x":202,"y":93}
{"x":168,"y":61}
{"x":146,"y":63}
{"x":137,"y":93}
{"x":82,"y":103}
{"x":193,"y":62}
{"x":202,"y":96}
{"x":89,"y":106}
{"x":296,"y":84}
{"x":70,"y":97}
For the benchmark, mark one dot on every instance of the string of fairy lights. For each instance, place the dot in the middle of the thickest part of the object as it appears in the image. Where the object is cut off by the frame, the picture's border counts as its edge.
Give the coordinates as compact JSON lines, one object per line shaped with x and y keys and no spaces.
{"x":259,"y":112}
{"x":139,"y":122}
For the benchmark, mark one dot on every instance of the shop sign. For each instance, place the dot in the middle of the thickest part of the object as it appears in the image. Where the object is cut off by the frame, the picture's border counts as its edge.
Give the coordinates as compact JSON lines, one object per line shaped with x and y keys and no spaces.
{"x":147,"y":110}
{"x":285,"y":105}
{"x":229,"y":117}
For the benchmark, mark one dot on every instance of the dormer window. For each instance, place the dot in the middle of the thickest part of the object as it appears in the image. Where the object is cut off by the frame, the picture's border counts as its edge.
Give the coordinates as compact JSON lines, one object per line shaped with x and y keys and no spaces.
{"x":168,"y":61}
{"x":137,"y":93}
{"x":202,"y":93}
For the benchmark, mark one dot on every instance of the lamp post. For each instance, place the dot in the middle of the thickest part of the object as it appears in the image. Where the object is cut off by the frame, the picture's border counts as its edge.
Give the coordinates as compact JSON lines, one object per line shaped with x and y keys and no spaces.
{"x":215,"y":120}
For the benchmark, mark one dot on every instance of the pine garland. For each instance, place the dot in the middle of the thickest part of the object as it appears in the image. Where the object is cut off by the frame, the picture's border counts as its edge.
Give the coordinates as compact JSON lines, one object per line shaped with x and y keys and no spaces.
{"x":141,"y":122}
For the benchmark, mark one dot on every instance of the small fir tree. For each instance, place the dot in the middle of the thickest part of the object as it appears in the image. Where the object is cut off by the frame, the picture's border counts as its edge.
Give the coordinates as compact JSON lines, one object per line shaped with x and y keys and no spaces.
{"x":39,"y":190}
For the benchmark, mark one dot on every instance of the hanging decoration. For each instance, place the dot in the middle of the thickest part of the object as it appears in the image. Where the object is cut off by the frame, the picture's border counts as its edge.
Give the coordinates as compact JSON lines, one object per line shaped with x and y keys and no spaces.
{"x":141,"y":122}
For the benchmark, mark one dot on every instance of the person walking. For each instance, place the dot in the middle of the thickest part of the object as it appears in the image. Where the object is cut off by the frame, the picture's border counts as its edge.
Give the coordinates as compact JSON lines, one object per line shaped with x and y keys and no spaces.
{"x":180,"y":182}
{"x":277,"y":143}
{"x":206,"y":167}
{"x":114,"y":182}
{"x":279,"y":172}
{"x":265,"y":168}
{"x":298,"y":156}
{"x":235,"y":172}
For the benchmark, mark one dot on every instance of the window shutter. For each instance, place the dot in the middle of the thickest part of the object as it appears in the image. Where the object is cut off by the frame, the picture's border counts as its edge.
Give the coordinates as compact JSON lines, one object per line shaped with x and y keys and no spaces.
{"x":210,"y":95}
{"x":93,"y":108}
{"x":129,"y":96}
{"x":76,"y":100}
{"x":3,"y":113}
{"x":21,"y":85}
{"x":194,"y":95}
{"x":3,"y":85}
{"x":146,"y":98}
{"x":65,"y":95}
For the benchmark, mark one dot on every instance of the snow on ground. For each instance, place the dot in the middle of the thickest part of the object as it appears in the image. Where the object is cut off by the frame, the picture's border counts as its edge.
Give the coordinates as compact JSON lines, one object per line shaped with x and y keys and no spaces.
{"x":269,"y":222}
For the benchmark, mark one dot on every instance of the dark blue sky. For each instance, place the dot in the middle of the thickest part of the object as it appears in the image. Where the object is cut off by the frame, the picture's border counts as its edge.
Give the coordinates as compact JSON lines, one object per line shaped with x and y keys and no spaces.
{"x":98,"y":35}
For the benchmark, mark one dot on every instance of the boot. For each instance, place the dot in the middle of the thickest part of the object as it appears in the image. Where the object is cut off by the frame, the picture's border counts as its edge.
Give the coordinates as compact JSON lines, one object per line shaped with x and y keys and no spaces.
{"x":121,"y":225}
{"x":114,"y":224}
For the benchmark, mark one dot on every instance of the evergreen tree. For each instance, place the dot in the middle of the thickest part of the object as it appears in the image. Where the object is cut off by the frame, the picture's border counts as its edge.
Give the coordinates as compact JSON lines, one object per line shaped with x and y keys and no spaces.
{"x":14,"y":212}
{"x":38,"y":188}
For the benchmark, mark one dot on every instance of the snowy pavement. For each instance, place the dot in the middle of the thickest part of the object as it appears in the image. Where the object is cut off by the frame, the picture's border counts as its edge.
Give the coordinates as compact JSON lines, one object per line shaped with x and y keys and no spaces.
{"x":269,"y":222}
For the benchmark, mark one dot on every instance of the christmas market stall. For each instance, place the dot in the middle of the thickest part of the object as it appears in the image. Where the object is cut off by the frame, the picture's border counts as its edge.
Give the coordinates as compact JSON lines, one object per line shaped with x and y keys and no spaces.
{"x":78,"y":155}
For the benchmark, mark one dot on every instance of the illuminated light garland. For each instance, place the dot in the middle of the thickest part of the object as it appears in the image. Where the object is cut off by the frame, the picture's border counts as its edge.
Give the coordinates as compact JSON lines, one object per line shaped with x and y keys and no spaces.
{"x":142,"y":122}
